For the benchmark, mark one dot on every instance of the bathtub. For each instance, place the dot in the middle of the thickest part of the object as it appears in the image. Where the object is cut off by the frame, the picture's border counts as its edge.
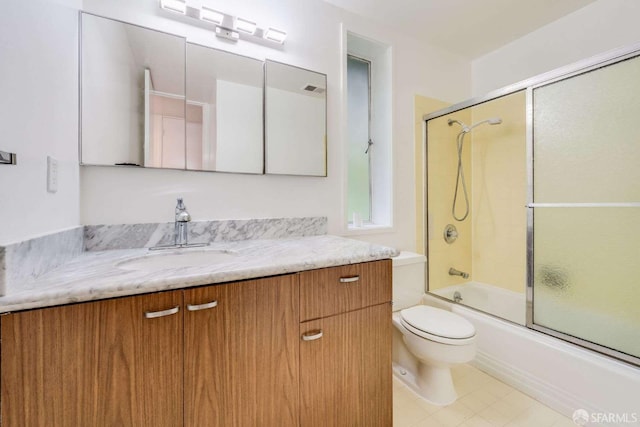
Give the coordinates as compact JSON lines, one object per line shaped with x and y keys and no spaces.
{"x":561,"y":375}
{"x":490,"y":299}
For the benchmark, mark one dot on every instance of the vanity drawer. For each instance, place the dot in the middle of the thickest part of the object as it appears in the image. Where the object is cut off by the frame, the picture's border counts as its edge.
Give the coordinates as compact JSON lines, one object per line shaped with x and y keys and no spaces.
{"x":335,"y":290}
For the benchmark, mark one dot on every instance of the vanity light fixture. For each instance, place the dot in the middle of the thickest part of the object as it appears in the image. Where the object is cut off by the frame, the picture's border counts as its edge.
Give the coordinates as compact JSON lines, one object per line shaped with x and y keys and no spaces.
{"x":210,"y":15}
{"x":246,"y":26}
{"x":179,"y":6}
{"x":275,"y":35}
{"x":226,"y":26}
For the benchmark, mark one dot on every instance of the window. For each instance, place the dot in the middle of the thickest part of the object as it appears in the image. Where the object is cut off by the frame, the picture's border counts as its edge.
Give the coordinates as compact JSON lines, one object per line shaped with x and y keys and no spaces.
{"x":369,"y":149}
{"x":359,"y":140}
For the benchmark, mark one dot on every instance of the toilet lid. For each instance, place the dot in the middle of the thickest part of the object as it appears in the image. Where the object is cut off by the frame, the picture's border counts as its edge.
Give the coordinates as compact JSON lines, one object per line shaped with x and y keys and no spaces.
{"x":438,"y":322}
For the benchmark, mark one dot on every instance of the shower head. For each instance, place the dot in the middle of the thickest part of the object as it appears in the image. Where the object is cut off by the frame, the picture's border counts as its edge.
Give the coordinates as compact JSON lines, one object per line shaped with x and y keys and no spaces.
{"x":465,"y":128}
{"x":491,"y":121}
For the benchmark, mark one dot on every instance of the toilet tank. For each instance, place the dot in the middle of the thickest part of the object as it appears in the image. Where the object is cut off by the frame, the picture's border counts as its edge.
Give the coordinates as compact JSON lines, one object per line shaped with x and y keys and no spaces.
{"x":408,"y":279}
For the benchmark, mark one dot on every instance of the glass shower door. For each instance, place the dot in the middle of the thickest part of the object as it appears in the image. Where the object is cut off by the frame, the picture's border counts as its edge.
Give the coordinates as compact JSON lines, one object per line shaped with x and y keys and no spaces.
{"x":585,"y":248}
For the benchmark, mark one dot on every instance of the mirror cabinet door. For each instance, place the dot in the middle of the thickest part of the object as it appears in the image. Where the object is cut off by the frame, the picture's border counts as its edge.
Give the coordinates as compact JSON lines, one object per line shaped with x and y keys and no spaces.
{"x":295,"y":128}
{"x":133,"y":95}
{"x":224,"y":111}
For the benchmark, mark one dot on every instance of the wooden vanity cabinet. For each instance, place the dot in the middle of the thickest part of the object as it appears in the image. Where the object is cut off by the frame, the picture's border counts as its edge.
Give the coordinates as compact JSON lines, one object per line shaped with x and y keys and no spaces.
{"x":92,"y":364}
{"x":230,"y":355}
{"x":345,"y":353}
{"x":232,"y":363}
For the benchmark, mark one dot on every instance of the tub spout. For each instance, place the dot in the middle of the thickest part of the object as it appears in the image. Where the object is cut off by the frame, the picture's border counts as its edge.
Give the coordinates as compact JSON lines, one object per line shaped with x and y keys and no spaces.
{"x":454,"y":272}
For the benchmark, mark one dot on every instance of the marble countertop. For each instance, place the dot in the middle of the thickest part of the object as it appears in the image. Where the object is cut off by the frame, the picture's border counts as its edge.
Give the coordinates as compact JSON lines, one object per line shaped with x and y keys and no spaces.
{"x":96,"y":275}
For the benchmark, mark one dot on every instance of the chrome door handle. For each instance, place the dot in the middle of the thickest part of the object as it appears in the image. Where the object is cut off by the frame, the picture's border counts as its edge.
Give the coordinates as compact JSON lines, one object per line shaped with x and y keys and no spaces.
{"x":205,"y":306}
{"x":349,"y":279}
{"x":162,"y":313}
{"x":316,"y":334}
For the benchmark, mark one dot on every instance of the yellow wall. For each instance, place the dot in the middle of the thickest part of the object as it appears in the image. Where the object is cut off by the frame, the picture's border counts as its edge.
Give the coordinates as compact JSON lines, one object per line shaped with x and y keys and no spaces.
{"x":442,"y":161}
{"x":422,"y":106}
{"x":498,"y":193}
{"x":491,"y":246}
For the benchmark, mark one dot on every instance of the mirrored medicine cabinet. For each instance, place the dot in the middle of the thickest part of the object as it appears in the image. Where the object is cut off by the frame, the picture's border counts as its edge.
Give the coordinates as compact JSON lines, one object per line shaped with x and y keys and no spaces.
{"x":153,"y":100}
{"x":295,"y":128}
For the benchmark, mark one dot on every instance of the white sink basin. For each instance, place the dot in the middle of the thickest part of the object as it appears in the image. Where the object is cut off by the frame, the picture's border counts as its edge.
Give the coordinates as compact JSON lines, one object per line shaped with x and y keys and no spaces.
{"x":177,"y":259}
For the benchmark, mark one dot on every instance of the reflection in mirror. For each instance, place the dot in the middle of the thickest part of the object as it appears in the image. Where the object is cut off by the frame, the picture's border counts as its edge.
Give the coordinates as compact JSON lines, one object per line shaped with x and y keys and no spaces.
{"x":132,"y":95}
{"x":224,"y":111}
{"x":296,"y":135}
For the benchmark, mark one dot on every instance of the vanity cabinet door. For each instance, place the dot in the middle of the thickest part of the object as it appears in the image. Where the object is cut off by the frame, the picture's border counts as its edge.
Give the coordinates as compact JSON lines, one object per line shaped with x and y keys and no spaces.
{"x":111,"y":362}
{"x":241,"y":354}
{"x":278,"y":358}
{"x":219,"y":355}
{"x":345,"y":369}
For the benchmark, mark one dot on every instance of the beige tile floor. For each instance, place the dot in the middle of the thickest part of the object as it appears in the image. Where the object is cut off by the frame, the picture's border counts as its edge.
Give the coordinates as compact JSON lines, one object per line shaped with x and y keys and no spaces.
{"x":483,"y":402}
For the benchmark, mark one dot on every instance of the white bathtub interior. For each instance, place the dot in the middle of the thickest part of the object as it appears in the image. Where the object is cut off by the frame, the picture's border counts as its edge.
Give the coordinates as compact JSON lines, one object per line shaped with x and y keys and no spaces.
{"x":490,"y":299}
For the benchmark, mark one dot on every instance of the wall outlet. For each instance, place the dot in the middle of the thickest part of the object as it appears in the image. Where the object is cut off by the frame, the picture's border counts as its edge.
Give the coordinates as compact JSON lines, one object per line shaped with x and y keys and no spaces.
{"x":52,"y":175}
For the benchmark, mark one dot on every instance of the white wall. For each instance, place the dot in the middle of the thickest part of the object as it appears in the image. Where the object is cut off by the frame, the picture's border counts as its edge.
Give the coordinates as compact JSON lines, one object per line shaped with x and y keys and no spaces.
{"x":38,"y":116}
{"x":115,"y":195}
{"x":596,"y":28}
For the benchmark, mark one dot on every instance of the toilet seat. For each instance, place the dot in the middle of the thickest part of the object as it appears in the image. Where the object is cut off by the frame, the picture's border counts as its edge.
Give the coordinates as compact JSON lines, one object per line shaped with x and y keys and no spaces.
{"x":437,"y":325}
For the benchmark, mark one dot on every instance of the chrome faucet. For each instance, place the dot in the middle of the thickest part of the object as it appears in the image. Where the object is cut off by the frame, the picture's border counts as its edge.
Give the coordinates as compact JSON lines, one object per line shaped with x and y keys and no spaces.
{"x":181,"y":226}
{"x":180,"y":230}
{"x":454,"y":272}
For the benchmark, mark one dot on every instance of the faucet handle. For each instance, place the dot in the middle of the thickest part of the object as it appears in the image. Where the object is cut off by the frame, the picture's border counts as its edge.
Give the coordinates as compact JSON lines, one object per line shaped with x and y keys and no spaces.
{"x":181,"y":212}
{"x":183,"y":216}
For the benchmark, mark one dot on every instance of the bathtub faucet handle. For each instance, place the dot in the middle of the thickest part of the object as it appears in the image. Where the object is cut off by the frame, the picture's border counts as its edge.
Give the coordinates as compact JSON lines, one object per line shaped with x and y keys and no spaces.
{"x":450,"y":233}
{"x":457,"y":296}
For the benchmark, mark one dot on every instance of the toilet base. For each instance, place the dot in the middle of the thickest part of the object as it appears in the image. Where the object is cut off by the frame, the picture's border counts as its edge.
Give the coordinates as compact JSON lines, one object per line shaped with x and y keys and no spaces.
{"x":433,"y":384}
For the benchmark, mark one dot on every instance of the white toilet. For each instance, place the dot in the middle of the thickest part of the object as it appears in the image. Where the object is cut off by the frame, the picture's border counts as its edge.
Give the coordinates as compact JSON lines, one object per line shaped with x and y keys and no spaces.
{"x":427,"y":340}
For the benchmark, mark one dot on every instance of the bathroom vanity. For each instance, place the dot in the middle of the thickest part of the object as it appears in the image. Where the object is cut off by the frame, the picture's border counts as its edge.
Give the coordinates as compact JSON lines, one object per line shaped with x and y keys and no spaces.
{"x":307,"y":348}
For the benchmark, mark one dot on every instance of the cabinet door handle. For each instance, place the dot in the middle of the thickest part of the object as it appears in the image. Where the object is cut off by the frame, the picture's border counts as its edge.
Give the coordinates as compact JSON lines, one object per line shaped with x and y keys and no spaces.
{"x":205,"y":306}
{"x":162,"y":313}
{"x":349,"y":279}
{"x":316,"y":334}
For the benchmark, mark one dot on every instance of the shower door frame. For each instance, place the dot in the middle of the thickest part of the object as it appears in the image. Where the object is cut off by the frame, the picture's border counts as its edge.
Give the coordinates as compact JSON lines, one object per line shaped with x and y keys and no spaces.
{"x":529,"y":85}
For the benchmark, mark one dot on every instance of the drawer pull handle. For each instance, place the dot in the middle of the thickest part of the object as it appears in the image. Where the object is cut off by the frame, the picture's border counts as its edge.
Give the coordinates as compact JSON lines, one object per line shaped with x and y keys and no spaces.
{"x":205,"y":306}
{"x":162,"y":313}
{"x":316,"y":334}
{"x":349,"y":279}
